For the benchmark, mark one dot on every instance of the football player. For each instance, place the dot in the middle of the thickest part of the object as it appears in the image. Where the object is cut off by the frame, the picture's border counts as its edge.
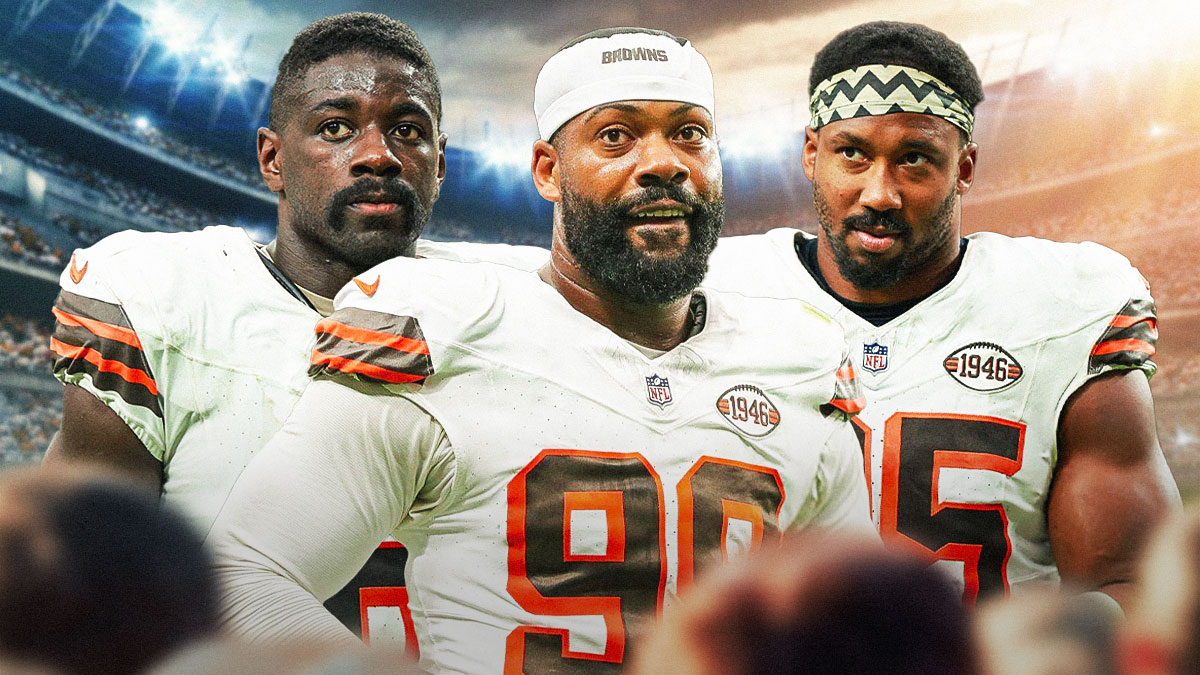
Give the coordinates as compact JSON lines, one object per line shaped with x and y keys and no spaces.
{"x":561,"y":451}
{"x":1009,"y":432}
{"x":182,"y":353}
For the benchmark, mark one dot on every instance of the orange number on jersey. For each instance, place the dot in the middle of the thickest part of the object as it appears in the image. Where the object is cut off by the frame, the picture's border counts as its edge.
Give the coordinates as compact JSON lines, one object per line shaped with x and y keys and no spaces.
{"x":916,"y":448}
{"x":552,"y":573}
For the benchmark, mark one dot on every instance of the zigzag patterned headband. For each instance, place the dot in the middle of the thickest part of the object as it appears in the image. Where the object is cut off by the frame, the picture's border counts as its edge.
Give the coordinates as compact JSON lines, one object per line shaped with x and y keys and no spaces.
{"x":880,"y":90}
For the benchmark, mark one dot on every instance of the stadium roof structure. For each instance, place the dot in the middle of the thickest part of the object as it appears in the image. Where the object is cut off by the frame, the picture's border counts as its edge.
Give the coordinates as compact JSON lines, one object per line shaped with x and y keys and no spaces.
{"x":107,"y":50}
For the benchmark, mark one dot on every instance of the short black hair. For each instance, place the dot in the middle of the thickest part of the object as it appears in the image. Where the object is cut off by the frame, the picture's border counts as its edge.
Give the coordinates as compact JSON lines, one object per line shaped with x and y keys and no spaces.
{"x":97,"y":576}
{"x":895,"y":43}
{"x":349,"y":33}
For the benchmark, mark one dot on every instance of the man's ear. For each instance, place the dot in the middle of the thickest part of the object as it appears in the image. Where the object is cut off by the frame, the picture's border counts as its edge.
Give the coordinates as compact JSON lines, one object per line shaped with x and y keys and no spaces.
{"x":269,"y":160}
{"x":441,"y":175}
{"x":545,"y":171}
{"x":966,"y":168}
{"x":809,"y":157}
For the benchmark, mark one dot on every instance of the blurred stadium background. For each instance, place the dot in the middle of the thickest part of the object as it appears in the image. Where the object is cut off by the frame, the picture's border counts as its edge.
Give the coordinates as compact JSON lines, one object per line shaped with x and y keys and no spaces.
{"x":143,"y":116}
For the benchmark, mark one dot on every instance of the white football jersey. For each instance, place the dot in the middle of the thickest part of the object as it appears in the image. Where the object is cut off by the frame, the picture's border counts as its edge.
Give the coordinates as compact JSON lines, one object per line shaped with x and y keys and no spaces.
{"x":552,"y":484}
{"x":964,"y":390}
{"x":197,"y":347}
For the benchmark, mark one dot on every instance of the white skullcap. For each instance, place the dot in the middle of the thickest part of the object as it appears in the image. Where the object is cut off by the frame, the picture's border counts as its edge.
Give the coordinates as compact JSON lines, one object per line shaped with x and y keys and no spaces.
{"x":619,"y":64}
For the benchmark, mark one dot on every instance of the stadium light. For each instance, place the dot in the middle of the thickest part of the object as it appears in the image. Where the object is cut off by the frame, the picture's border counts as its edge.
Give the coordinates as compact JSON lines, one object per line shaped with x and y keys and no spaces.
{"x":141,"y":123}
{"x":766,"y":133}
{"x":506,"y":155}
{"x":171,"y":28}
{"x":222,"y":52}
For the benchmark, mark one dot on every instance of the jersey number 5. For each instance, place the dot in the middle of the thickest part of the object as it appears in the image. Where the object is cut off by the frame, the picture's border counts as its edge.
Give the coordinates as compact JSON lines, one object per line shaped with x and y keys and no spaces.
{"x":917,"y":448}
{"x":621,"y":575}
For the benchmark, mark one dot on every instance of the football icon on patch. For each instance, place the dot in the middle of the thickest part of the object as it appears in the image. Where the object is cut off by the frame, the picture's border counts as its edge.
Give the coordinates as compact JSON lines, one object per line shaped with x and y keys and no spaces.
{"x":983,"y":366}
{"x":875,"y":357}
{"x":749,"y":410}
{"x":658,"y":390}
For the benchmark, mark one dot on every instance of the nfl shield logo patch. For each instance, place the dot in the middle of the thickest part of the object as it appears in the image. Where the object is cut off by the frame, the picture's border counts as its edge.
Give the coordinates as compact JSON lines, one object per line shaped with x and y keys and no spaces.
{"x":875,"y":357}
{"x":658,"y":390}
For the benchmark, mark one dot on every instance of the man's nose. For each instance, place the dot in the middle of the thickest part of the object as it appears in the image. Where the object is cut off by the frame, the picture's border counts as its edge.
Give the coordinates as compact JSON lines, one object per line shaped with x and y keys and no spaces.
{"x":373,"y":156}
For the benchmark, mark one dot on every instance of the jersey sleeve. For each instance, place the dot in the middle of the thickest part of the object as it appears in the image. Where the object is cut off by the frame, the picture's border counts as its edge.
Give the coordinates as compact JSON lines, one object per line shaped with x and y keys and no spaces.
{"x":372,"y":346}
{"x":348,"y":466}
{"x":847,"y":392}
{"x":519,"y":257}
{"x":1129,"y":339}
{"x":98,"y":347}
{"x":840,"y":500}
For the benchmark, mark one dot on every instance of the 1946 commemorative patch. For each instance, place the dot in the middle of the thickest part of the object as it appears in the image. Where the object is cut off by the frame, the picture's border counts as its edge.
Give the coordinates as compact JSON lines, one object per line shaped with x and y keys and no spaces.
{"x":983,"y":366}
{"x":749,"y":410}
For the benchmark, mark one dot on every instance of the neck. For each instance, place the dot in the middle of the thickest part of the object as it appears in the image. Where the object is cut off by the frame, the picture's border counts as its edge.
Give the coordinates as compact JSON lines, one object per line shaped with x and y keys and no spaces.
{"x":309,"y":264}
{"x":931,"y":276}
{"x":657,"y":326}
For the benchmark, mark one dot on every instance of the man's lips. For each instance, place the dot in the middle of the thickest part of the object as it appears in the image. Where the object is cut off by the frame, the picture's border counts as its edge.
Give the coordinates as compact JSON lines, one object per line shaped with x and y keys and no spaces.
{"x":665,"y":211}
{"x":875,"y":243}
{"x":375,"y":207}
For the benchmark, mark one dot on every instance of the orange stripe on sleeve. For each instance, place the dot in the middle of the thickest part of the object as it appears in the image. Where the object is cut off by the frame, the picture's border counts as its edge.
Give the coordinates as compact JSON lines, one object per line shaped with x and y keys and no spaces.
{"x":355,"y":367}
{"x":372,"y":337}
{"x":846,"y":372}
{"x":130,"y":375}
{"x":849,"y":405}
{"x":99,"y":328}
{"x":1125,"y":321}
{"x":1130,"y":345}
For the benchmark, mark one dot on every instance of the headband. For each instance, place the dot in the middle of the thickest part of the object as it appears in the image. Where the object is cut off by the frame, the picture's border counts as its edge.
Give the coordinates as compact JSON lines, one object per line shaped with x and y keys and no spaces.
{"x":881,"y":90}
{"x":622,"y":64}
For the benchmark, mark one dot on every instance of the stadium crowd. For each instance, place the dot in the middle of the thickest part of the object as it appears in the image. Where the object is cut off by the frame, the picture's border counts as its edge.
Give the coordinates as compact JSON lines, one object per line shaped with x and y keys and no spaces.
{"x":28,"y":421}
{"x":24,"y":344}
{"x":135,"y":200}
{"x":23,"y":243}
{"x":126,"y":124}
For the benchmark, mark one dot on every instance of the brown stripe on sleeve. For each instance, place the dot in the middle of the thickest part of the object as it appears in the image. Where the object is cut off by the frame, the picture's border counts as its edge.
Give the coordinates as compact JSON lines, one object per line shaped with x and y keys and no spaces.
{"x":91,"y":308}
{"x":1129,"y":340}
{"x":374,"y":346}
{"x":96,"y":338}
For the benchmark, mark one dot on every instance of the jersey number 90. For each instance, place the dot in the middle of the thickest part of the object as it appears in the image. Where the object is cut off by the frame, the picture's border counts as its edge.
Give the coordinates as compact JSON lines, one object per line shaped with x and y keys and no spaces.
{"x":622,"y":581}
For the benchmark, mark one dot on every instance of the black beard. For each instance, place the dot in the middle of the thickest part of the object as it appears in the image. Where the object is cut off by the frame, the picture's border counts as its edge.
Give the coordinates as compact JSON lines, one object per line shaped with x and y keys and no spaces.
{"x":877,"y":273}
{"x":596,"y":235}
{"x":360,"y":250}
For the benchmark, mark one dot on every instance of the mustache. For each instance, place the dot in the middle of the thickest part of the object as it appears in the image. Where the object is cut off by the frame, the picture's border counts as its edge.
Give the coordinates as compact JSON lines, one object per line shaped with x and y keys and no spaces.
{"x":873,"y":220}
{"x":392,"y":190}
{"x":655,"y":193}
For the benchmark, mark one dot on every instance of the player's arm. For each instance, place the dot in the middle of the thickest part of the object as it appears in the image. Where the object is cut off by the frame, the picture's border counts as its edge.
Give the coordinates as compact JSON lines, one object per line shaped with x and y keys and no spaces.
{"x":1111,"y":483}
{"x":305,"y":515}
{"x":92,"y":432}
{"x":112,"y":412}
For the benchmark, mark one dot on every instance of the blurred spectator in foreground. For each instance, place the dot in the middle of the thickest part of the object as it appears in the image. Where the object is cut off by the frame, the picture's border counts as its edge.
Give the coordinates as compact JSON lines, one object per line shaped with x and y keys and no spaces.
{"x":1163,"y":633}
{"x":95,"y":575}
{"x":1049,"y":632}
{"x":818,"y":604}
{"x":287,"y":658}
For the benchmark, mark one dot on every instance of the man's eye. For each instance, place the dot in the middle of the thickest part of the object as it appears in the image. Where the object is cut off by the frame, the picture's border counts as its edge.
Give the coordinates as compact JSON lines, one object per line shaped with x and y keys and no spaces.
{"x":613,"y":135}
{"x":691,"y":134}
{"x":914,"y":159}
{"x":335,"y":130}
{"x":852,"y":154}
{"x":407,"y":132}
